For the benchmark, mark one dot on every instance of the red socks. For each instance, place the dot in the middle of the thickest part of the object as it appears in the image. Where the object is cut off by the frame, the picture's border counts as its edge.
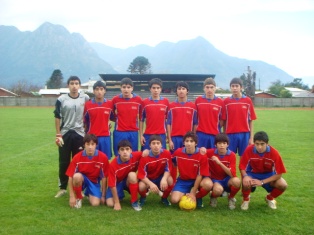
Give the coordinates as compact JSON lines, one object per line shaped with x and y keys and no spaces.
{"x":78,"y":192}
{"x":133,"y":191}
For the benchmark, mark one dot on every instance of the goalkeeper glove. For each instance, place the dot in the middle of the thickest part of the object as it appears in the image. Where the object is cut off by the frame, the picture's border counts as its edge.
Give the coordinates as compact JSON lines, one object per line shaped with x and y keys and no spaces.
{"x":59,"y":140}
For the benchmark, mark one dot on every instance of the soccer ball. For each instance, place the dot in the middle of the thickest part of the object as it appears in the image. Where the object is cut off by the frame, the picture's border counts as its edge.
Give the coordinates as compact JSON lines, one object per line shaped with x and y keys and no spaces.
{"x":187,"y":203}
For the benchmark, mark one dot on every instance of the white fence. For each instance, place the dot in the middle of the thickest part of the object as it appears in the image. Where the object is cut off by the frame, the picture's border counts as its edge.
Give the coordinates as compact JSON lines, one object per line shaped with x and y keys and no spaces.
{"x":259,"y":102}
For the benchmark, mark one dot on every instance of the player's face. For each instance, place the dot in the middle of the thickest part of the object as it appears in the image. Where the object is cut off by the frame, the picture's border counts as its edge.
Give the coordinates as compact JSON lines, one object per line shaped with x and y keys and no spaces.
{"x":126,"y":91}
{"x":125,"y":153}
{"x":99,"y":93}
{"x":90,"y":148}
{"x":155,"y":90}
{"x":182,"y":92}
{"x":222,"y":147}
{"x":260,"y":146}
{"x":190,"y":145}
{"x":209,"y":91}
{"x":235,"y":89}
{"x":155,"y":146}
{"x":74,"y":87}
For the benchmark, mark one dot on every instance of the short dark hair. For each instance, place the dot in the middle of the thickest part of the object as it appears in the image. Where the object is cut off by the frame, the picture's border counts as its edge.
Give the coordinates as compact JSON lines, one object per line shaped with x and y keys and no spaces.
{"x":262,"y":136}
{"x":192,"y":135}
{"x":155,"y":81}
{"x":126,"y":81}
{"x":155,"y":137}
{"x":221,"y":137}
{"x":209,"y":81}
{"x":236,"y":81}
{"x":124,"y":143}
{"x":90,"y":137}
{"x":74,"y":78}
{"x":182,"y":84}
{"x":99,"y":84}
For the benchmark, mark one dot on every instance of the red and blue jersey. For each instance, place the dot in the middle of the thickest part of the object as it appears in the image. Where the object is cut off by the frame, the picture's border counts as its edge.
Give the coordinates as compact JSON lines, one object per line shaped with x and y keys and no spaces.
{"x":152,"y":167}
{"x":155,"y":113}
{"x":127,"y":112}
{"x":190,"y":165}
{"x":182,"y":117}
{"x":119,"y":170}
{"x":237,"y":114}
{"x":93,"y":167}
{"x":269,"y":161}
{"x":209,"y":112}
{"x":97,"y":117}
{"x":216,"y":171}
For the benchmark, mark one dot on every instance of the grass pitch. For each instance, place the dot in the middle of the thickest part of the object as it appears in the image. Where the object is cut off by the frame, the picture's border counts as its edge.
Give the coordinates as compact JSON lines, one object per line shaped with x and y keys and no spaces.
{"x":29,"y":171}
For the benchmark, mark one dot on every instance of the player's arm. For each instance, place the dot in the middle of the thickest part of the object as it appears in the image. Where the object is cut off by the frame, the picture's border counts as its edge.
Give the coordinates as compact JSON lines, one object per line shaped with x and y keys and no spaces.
{"x":142,"y":139}
{"x":246,"y":180}
{"x":195,"y":187}
{"x":104,"y":182}
{"x":251,"y":131}
{"x":164,"y":181}
{"x":256,"y":182}
{"x":116,"y":202}
{"x":72,"y":199}
{"x":219,"y":163}
{"x":152,"y":187}
{"x":171,"y":145}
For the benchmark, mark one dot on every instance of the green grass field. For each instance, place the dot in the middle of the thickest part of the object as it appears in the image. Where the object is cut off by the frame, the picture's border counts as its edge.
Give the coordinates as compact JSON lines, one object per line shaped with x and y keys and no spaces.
{"x":28,"y":182}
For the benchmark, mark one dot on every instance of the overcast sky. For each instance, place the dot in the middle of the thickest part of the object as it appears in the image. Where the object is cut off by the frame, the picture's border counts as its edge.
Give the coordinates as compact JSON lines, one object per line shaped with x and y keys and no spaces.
{"x":278,"y":32}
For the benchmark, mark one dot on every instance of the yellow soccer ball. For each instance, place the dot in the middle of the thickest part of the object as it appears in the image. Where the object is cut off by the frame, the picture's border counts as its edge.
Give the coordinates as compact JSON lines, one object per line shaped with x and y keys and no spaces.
{"x":187,"y":204}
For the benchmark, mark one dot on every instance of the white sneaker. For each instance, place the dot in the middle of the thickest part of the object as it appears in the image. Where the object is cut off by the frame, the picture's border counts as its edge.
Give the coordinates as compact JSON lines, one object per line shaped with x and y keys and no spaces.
{"x":60,"y":193}
{"x":136,"y":206}
{"x":224,"y":194}
{"x":78,"y":203}
{"x":245,"y":205}
{"x":213,"y":202}
{"x":232,"y":203}
{"x":271,"y":203}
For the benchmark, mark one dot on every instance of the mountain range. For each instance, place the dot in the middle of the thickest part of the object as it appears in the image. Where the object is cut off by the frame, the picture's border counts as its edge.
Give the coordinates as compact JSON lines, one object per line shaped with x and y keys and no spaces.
{"x":32,"y":57}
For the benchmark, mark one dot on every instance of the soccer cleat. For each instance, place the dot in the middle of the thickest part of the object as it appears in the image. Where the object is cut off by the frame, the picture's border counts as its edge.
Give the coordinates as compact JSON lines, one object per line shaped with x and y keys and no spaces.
{"x":78,"y":203}
{"x":60,"y":193}
{"x":245,"y":205}
{"x":142,"y":201}
{"x":213,"y":202}
{"x":271,"y":203}
{"x":136,"y":206}
{"x":199,"y":203}
{"x":165,"y":202}
{"x":232,"y":203}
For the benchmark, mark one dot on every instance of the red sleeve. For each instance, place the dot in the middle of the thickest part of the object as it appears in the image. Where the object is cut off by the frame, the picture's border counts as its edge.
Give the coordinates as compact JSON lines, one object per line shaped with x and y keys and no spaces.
{"x":233,"y":163}
{"x":141,"y":174}
{"x":204,"y":168}
{"x":71,"y":168}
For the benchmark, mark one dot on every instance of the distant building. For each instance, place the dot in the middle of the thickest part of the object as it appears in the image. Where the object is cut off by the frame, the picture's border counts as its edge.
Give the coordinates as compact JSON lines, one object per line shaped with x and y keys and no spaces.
{"x":6,"y":93}
{"x":299,"y":93}
{"x":262,"y":94}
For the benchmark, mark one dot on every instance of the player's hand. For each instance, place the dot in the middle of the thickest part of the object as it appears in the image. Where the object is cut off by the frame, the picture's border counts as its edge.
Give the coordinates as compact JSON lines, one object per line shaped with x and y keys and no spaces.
{"x":145,"y":153}
{"x":153,"y":188}
{"x":163,"y":184}
{"x":117,"y":206}
{"x":171,"y":145}
{"x":72,"y":201}
{"x":102,"y":200}
{"x":215,"y":159}
{"x":59,"y":140}
{"x":191,"y":196}
{"x":143,"y":141}
{"x":203,"y":150}
{"x":247,"y":182}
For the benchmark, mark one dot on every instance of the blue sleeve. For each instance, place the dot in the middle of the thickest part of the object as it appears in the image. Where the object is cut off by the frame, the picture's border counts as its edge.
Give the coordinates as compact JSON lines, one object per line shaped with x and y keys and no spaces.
{"x":169,"y":118}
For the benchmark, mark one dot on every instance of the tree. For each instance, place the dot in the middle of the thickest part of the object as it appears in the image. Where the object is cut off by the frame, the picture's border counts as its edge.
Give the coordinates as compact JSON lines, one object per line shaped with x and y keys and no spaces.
{"x":249,"y":83}
{"x":278,"y":88}
{"x":56,"y":80}
{"x":23,"y":86}
{"x":140,"y":65}
{"x":297,"y":83}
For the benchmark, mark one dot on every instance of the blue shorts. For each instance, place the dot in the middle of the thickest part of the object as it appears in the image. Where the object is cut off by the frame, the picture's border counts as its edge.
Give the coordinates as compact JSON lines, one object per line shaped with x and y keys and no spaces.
{"x":205,"y":140}
{"x":146,"y":146}
{"x":238,"y":142}
{"x":177,"y":142}
{"x":223,"y":183}
{"x":263,"y":176}
{"x":91,"y":188}
{"x":104,"y":145}
{"x":121,"y":186}
{"x":131,"y":136}
{"x":183,"y":186}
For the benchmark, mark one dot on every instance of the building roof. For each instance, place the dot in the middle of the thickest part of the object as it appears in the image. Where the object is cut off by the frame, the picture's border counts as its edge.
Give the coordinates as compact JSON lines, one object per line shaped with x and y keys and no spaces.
{"x":9,"y":93}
